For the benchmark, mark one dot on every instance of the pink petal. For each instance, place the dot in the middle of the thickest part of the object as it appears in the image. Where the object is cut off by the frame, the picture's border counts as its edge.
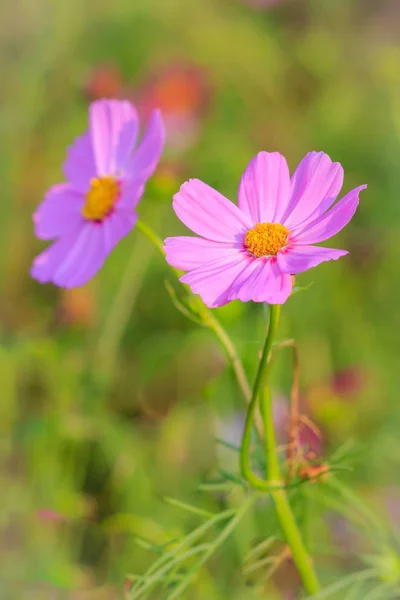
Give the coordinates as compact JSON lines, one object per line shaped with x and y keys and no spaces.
{"x":188,"y":253}
{"x":59,"y":213}
{"x":148,"y":153}
{"x":262,"y":281}
{"x":84,"y":260}
{"x":315,"y":185}
{"x":117,"y":226}
{"x":113,"y":126}
{"x":282,"y":287}
{"x":213,"y":280}
{"x":79,"y":167}
{"x":299,"y":258}
{"x":46,"y":263}
{"x":243,"y":286}
{"x":330,"y":223}
{"x":265,"y":188}
{"x":72,"y":260}
{"x":131,"y":192}
{"x":209,"y":214}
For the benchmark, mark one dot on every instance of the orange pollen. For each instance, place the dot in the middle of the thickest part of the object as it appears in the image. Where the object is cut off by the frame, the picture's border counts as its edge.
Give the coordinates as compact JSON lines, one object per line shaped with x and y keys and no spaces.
{"x":266,"y":239}
{"x":100,"y":199}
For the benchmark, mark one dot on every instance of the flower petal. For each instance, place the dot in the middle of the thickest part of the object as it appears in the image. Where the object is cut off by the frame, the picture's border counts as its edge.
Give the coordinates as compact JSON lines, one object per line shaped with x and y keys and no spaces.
{"x":148,"y":152}
{"x":116,"y":226}
{"x":48,"y":262}
{"x":84,"y":261}
{"x":330,"y":223}
{"x":103,"y":239}
{"x":299,"y":258}
{"x":131,"y":192}
{"x":187,"y":253}
{"x":262,"y":281}
{"x":315,"y":186}
{"x":265,"y":188}
{"x":212,"y":281}
{"x":79,"y":167}
{"x":209,"y":214}
{"x":59,"y":213}
{"x":243,"y":286}
{"x":282,"y":287}
{"x":113,"y":126}
{"x":73,"y":259}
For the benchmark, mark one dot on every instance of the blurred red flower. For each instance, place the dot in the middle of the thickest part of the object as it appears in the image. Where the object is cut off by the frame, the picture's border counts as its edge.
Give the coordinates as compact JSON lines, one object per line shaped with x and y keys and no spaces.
{"x":182,"y":92}
{"x":104,"y":81}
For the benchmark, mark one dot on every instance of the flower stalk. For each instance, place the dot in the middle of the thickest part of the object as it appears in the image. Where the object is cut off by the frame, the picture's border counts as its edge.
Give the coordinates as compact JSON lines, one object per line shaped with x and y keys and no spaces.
{"x":274,"y":483}
{"x":209,"y":320}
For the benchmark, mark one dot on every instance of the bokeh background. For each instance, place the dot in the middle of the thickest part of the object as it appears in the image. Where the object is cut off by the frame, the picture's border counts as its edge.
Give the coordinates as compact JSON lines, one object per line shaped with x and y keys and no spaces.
{"x":111,"y":399}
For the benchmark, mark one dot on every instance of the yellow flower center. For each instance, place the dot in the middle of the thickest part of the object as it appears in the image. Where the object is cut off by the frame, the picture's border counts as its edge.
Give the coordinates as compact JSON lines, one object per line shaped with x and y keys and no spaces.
{"x":266,"y":239}
{"x":100,"y":199}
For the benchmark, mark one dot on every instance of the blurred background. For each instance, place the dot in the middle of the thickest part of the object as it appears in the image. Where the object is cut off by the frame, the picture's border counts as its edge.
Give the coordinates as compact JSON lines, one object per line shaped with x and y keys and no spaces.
{"x":111,"y":399}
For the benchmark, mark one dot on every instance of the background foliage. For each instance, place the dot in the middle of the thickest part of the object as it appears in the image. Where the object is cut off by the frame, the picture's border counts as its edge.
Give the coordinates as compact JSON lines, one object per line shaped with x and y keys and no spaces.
{"x":111,"y":400}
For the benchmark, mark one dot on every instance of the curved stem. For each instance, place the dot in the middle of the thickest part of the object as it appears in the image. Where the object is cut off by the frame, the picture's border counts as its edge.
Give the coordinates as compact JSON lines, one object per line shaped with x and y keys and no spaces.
{"x":213,"y":324}
{"x":284,"y":512}
{"x":151,"y":235}
{"x":233,"y":358}
{"x":262,"y":372}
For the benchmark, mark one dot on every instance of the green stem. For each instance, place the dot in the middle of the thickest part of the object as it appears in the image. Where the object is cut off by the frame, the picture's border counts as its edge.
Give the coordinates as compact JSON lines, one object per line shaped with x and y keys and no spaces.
{"x":274,"y":482}
{"x":261,"y":376}
{"x":212,"y":323}
{"x":283,"y":510}
{"x":124,"y":299}
{"x":231,"y":352}
{"x":121,"y":309}
{"x":151,"y":235}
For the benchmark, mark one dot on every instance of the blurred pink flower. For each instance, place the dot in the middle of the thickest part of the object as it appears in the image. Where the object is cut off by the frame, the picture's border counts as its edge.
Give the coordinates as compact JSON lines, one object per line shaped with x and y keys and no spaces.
{"x":47,"y":514}
{"x":105,"y":175}
{"x":310,"y":438}
{"x":249,"y":252}
{"x":349,"y":382}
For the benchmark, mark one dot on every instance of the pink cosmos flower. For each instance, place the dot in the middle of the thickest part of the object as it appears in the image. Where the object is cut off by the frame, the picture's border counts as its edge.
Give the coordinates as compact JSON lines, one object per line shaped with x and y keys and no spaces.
{"x":94,"y":209}
{"x":249,"y":252}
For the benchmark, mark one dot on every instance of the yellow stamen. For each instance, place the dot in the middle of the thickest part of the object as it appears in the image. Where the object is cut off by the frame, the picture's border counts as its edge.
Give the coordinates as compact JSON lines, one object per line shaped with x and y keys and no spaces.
{"x":100,"y":199}
{"x":266,"y":239}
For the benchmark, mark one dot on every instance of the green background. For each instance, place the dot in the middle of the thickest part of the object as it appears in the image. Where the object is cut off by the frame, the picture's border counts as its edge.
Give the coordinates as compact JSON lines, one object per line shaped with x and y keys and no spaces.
{"x":110,"y":398}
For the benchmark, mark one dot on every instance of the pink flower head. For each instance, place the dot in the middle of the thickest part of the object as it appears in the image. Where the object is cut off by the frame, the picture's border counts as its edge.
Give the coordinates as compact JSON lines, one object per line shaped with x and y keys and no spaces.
{"x":249,"y":252}
{"x":94,"y":209}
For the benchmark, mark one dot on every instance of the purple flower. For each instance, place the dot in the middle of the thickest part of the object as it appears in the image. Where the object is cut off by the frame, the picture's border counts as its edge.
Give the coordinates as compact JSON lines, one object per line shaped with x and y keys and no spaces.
{"x":106,"y":174}
{"x":249,"y":252}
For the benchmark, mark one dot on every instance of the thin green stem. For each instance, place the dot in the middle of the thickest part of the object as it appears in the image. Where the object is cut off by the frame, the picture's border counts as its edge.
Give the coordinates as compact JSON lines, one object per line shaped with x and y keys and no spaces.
{"x":261,"y":376}
{"x":124,"y":299}
{"x":120,"y":310}
{"x":274,"y":480}
{"x":212,"y":323}
{"x":151,"y":235}
{"x":233,"y":358}
{"x":283,"y":510}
